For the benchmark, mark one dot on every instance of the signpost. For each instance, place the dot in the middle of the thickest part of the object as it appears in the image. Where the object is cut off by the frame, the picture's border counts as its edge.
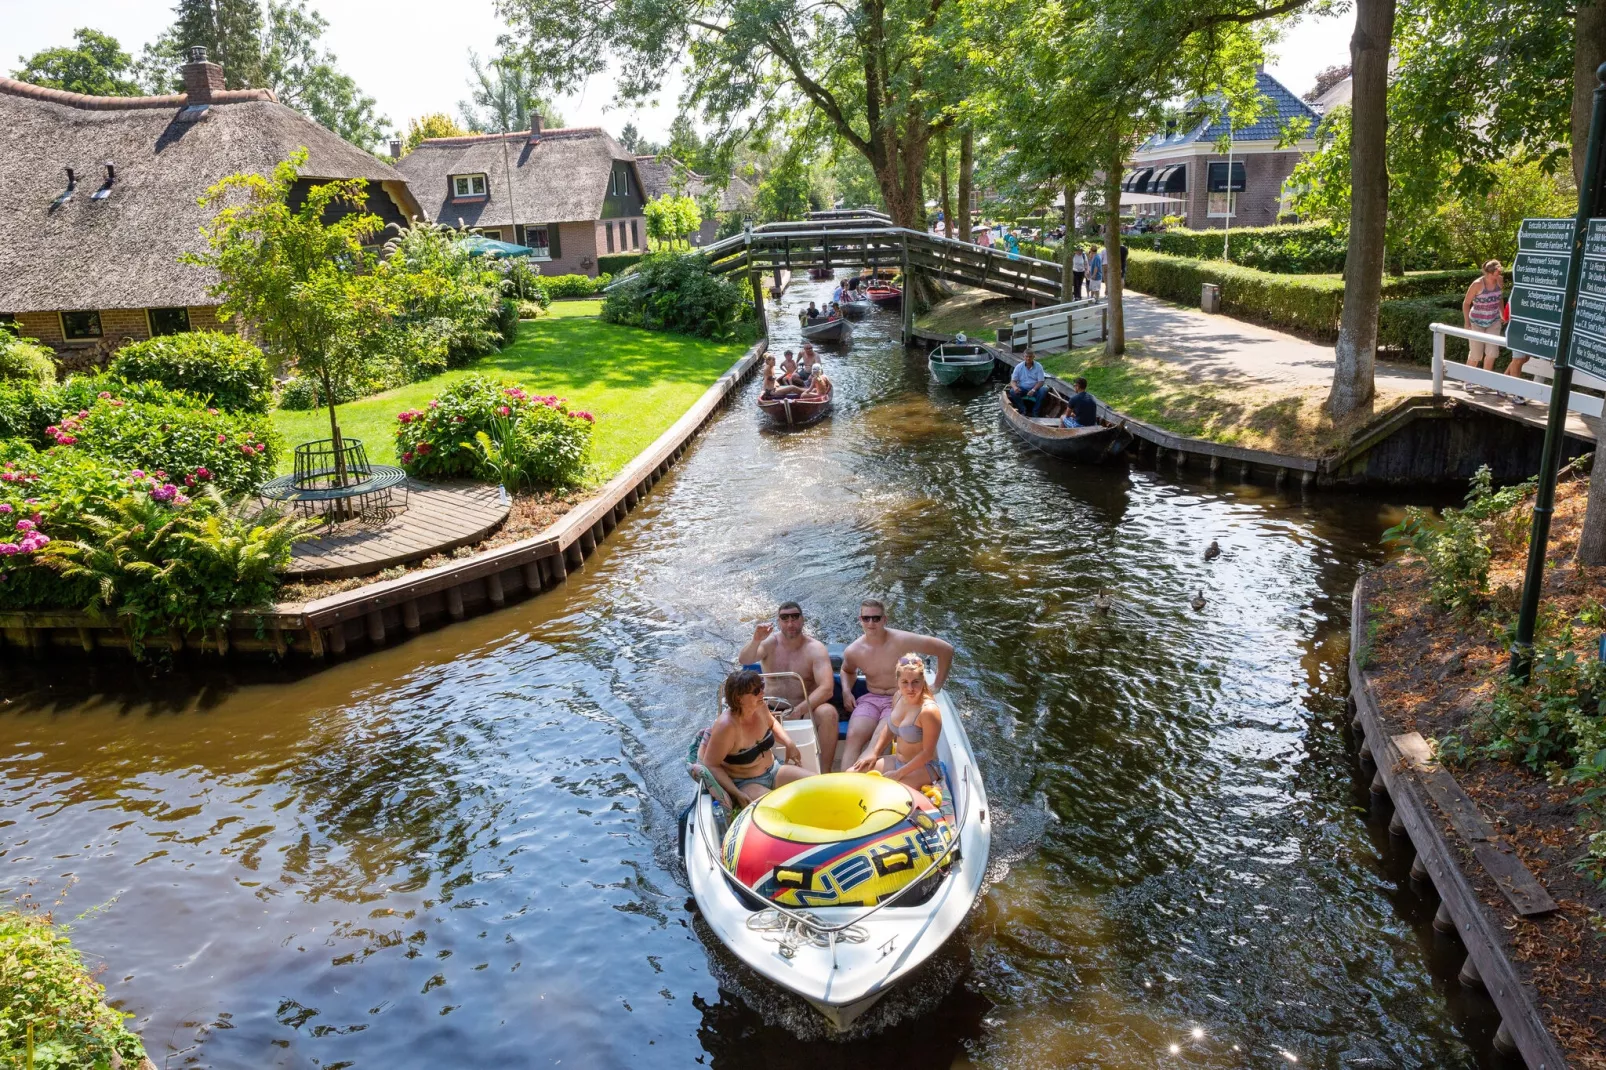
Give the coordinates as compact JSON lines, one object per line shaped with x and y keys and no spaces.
{"x":1575,"y":338}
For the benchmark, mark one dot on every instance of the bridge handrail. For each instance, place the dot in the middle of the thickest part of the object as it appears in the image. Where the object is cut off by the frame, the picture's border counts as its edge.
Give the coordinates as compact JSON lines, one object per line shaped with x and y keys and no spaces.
{"x":1051,"y":310}
{"x":1587,"y":404}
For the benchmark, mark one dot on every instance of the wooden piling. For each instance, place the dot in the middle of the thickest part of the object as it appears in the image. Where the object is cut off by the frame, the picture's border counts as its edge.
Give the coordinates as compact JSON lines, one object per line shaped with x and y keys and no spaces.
{"x":410,"y":615}
{"x":376,"y":627}
{"x":532,"y":576}
{"x":493,"y":590}
{"x":454,"y":603}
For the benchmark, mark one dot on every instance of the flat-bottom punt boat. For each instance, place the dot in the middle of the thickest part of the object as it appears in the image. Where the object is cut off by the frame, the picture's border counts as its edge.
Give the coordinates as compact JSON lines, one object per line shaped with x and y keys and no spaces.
{"x":885,"y":296}
{"x":857,"y":306}
{"x":833,"y":330}
{"x":843,"y":959}
{"x":961,"y":363}
{"x":1085,"y":445}
{"x":795,"y":410}
{"x":822,"y":273}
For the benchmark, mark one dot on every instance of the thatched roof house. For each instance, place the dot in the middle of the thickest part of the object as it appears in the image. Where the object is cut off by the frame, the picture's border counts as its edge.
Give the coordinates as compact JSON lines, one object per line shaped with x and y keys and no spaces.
{"x":665,"y":174}
{"x":98,"y":199}
{"x":573,"y":194}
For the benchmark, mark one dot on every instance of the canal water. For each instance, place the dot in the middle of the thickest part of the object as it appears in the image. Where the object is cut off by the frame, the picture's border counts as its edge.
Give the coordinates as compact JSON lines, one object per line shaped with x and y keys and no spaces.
{"x":460,"y":851}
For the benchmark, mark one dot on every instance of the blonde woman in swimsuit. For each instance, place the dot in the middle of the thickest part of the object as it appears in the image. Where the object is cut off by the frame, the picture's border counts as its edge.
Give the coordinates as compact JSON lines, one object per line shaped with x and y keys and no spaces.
{"x":912,"y":730}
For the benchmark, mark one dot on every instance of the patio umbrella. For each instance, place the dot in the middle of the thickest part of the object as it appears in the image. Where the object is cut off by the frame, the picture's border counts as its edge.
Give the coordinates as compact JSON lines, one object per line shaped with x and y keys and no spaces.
{"x":480,"y":245}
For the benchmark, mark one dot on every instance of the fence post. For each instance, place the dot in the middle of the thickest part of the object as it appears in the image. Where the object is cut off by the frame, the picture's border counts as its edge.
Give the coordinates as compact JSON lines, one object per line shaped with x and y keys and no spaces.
{"x":1438,"y":361}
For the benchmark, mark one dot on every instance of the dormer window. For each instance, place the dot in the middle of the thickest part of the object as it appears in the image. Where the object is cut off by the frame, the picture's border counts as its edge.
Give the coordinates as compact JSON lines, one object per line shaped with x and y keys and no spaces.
{"x":468,"y":186}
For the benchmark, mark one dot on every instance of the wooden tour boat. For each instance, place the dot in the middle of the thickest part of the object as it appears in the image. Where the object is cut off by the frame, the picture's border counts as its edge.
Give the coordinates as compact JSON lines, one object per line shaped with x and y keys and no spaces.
{"x":795,"y":410}
{"x":1085,"y":445}
{"x":884,"y":295}
{"x":961,"y":363}
{"x":832,"y":330}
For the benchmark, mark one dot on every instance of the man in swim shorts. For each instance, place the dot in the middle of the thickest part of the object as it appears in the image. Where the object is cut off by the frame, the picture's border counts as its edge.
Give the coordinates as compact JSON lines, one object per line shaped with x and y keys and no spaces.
{"x":794,"y":650}
{"x":876,"y":652}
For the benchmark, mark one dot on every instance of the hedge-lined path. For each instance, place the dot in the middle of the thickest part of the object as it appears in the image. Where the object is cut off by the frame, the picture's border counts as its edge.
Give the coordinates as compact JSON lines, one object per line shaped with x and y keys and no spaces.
{"x":438,"y":517}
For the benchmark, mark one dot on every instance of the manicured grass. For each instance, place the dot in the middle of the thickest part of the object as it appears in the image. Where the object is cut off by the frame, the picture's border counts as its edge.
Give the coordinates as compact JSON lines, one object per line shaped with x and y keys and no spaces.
{"x":635,"y":382}
{"x":975,"y":313}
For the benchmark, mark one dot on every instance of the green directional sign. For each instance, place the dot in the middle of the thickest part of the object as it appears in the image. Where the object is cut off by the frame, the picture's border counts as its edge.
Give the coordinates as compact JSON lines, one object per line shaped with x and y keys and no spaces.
{"x":1533,"y":339}
{"x":1548,"y":270}
{"x":1545,"y":236}
{"x":1595,"y":238}
{"x":1591,"y":316}
{"x":1588,"y":355}
{"x":1594,"y":280}
{"x":1543,"y":306}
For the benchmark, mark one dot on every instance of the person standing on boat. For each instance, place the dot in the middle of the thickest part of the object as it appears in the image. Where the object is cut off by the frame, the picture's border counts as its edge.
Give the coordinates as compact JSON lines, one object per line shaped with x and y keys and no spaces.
{"x":740,"y":748}
{"x":1081,"y":410}
{"x":911,"y":730}
{"x":793,"y":649}
{"x":1027,"y":386}
{"x":876,"y":652}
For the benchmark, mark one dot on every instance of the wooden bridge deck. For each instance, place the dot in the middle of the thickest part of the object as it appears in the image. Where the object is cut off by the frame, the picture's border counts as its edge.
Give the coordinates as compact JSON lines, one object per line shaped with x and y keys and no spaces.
{"x":438,"y":517}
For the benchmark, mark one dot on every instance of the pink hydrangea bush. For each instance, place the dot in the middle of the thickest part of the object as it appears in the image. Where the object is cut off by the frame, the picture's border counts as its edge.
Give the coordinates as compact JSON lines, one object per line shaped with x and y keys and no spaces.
{"x":483,"y":429}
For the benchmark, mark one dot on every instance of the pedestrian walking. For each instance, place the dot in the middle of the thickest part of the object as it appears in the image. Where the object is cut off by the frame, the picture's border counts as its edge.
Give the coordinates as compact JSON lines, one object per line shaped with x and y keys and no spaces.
{"x":1078,"y":273}
{"x":1095,"y":272}
{"x":1480,"y":311}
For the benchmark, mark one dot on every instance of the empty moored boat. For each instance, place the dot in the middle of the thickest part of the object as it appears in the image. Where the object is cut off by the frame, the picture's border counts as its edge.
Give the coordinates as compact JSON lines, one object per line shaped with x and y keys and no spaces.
{"x":831,"y":330}
{"x":961,"y":363}
{"x":1086,"y":445}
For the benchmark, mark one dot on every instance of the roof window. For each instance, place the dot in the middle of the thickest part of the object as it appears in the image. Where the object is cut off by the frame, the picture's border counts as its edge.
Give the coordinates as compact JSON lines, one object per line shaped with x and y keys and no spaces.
{"x":469,"y":186}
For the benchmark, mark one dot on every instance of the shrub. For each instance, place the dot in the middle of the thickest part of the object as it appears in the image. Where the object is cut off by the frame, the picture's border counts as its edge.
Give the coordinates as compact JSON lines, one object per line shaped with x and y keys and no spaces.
{"x":25,"y":360}
{"x":520,"y":278}
{"x":52,"y":490}
{"x":26,"y":409}
{"x":1296,"y":249}
{"x":43,"y":981}
{"x":299,"y":394}
{"x":226,"y":368}
{"x":529,"y":310}
{"x":237,"y":450}
{"x":559,"y":286}
{"x":526,"y":440}
{"x":507,"y":321}
{"x":436,"y":282}
{"x":677,"y":292}
{"x":1402,"y":326}
{"x":617,"y":265}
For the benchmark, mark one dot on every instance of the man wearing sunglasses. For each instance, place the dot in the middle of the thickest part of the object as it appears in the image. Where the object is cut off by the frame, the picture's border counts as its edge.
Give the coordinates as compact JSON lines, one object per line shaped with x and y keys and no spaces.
{"x":794,"y":650}
{"x":876,"y":652}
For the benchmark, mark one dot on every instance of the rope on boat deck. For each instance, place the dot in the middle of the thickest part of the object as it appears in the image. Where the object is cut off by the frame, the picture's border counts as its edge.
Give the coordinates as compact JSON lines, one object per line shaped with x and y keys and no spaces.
{"x":792,"y":929}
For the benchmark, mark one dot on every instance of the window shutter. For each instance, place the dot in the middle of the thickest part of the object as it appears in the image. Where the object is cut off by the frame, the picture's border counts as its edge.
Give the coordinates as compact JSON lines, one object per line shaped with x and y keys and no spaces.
{"x":554,"y":247}
{"x":609,"y":227}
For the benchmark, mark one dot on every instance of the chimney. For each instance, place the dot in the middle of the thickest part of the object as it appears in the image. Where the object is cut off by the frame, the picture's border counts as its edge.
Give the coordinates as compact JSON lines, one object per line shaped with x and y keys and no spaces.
{"x":202,"y":78}
{"x":1170,"y":127}
{"x":395,"y":148}
{"x":535,"y":127}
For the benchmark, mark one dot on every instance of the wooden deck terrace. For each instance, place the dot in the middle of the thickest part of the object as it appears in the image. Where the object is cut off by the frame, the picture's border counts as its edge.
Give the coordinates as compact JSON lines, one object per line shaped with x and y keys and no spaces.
{"x":438,"y":517}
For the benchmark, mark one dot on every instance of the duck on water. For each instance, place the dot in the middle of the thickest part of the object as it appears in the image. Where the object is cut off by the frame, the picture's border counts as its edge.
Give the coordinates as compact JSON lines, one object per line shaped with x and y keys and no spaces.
{"x":835,"y":871}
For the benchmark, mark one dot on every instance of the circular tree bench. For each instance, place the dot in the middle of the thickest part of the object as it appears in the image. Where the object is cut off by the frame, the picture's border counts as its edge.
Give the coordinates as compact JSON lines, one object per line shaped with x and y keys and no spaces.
{"x":353,"y":489}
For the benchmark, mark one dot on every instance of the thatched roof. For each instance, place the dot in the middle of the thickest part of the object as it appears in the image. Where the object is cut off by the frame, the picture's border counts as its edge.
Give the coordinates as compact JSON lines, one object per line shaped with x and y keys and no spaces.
{"x":560,"y":178}
{"x":122,"y":251}
{"x":665,"y":174}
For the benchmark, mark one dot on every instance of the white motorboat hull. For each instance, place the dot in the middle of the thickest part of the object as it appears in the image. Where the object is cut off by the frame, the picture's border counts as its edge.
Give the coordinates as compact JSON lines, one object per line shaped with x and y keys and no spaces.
{"x":843,"y":977}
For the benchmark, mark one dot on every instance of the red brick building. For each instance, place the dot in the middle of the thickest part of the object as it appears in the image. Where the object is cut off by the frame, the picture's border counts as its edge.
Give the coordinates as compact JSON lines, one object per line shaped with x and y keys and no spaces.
{"x":1211,"y":185}
{"x":99,"y":201}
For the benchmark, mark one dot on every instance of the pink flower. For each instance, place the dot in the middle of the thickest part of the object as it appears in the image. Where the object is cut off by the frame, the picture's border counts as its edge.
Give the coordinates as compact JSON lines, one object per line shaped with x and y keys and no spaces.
{"x":407,"y":458}
{"x":405,"y":417}
{"x":223,"y":438}
{"x":9,"y":548}
{"x":434,"y":404}
{"x":189,"y":481}
{"x":67,"y":440}
{"x":503,"y":410}
{"x":25,"y":525}
{"x":83,"y":414}
{"x":245,"y":448}
{"x":5,"y":507}
{"x":179,"y":499}
{"x":138,"y":473}
{"x":586,"y":416}
{"x":457,"y":419}
{"x":423,"y":448}
{"x":203,"y":473}
{"x":104,"y":394}
{"x":117,"y":403}
{"x":212,"y":411}
{"x":159,"y":474}
{"x":165,"y":492}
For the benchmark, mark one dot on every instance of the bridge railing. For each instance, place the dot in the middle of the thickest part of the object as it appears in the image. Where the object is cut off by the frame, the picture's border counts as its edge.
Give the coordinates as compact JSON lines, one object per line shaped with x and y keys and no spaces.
{"x":1588,"y":404}
{"x":1058,"y":327}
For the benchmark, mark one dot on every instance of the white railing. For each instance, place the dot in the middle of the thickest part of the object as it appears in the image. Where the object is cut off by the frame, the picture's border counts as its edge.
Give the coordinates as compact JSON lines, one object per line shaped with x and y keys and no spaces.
{"x":1052,"y":310}
{"x":1066,"y":326}
{"x":1588,"y":404}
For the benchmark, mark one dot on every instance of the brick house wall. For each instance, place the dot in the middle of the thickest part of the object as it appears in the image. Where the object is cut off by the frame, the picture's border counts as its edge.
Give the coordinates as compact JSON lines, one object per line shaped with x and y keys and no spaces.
{"x":118,"y":326}
{"x":1257,"y":204}
{"x":623,"y":239}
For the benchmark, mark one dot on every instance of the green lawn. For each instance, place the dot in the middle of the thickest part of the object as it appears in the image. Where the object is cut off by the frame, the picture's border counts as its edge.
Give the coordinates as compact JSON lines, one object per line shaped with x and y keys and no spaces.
{"x":636,"y":382}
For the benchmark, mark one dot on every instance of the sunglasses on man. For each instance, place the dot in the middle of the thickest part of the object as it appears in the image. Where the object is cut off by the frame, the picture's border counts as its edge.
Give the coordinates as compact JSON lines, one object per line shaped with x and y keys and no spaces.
{"x":791,"y":616}
{"x":870,"y":617}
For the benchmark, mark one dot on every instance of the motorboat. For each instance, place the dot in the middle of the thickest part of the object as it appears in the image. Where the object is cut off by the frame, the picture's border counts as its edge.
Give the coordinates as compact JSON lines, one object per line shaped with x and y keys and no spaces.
{"x":835,"y":329}
{"x":790,"y":920}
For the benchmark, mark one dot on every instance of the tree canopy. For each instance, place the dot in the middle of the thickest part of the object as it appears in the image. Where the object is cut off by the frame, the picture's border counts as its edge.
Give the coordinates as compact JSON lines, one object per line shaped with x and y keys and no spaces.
{"x":94,"y":64}
{"x":502,"y":97}
{"x":435,"y":124}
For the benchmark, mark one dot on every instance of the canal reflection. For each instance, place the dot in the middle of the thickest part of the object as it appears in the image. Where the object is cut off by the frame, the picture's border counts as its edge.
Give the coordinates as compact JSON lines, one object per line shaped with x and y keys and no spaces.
{"x":460,"y":850}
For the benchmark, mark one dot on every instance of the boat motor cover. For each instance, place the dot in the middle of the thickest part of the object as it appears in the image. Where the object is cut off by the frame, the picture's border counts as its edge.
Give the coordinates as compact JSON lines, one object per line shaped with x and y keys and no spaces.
{"x":839,"y":839}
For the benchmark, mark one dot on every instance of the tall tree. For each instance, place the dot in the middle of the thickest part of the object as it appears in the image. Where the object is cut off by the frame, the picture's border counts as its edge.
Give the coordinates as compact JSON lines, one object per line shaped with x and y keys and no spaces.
{"x":630,"y":137}
{"x":232,"y":32}
{"x":435,"y":124}
{"x":503,"y":96}
{"x":872,"y":70}
{"x":945,"y":199}
{"x":967,"y":166}
{"x":95,"y":64}
{"x":1355,"y":355}
{"x":305,"y":77}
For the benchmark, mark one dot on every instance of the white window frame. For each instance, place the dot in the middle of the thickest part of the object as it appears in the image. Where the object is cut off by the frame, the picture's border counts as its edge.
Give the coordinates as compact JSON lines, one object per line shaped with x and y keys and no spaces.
{"x":544,"y":249}
{"x":463,"y":185}
{"x":1211,"y":206}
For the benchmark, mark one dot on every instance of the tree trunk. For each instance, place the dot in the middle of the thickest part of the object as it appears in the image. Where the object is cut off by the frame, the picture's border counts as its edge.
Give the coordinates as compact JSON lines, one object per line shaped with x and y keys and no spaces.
{"x":1592,"y":540}
{"x":966,"y":165}
{"x":1114,"y":277}
{"x":947,"y":201}
{"x":1068,"y":246}
{"x":1356,"y":352}
{"x":1589,"y":51}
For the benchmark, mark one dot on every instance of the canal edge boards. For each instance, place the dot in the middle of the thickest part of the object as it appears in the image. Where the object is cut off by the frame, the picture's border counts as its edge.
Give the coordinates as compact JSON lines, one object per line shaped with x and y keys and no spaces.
{"x":1521,"y":1024}
{"x":378,"y":611}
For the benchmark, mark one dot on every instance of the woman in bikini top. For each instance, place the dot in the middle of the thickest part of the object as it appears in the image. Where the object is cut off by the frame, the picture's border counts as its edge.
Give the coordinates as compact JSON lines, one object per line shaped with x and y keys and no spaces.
{"x":748,"y":770}
{"x":912,"y":730}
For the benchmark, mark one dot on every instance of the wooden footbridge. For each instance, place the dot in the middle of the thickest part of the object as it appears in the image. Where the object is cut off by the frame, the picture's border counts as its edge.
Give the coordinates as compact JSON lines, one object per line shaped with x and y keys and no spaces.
{"x":869,"y":239}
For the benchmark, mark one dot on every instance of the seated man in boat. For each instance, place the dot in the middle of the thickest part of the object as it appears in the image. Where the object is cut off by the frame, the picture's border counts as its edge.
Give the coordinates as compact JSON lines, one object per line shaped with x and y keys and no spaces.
{"x":1027,"y":387}
{"x":740,"y":748}
{"x":809,"y":361}
{"x":809,"y":316}
{"x":1081,"y":409}
{"x":876,"y":652}
{"x":793,"y":649}
{"x":773,"y":388}
{"x":912,"y":731}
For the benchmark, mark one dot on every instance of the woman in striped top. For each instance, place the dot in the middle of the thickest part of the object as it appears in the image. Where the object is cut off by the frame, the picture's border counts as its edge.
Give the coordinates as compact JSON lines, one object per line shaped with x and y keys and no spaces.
{"x":1481,"y":311}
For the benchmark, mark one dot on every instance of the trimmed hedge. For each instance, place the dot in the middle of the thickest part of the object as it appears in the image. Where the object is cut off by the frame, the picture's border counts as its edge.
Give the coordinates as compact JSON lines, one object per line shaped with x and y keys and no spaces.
{"x":1294,"y":249}
{"x":613,"y":265}
{"x":225,"y":367}
{"x":1306,"y":305}
{"x":556,"y":286}
{"x":1402,"y":327}
{"x":24,"y":360}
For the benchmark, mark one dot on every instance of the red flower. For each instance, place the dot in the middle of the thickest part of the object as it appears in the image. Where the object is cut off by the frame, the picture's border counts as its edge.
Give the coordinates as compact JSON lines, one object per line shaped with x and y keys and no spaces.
{"x":423,"y":449}
{"x":407,"y":458}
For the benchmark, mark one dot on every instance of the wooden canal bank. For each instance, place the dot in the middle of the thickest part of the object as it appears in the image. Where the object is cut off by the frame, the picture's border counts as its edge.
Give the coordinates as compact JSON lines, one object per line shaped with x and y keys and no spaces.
{"x":390,"y":610}
{"x":1457,"y":852}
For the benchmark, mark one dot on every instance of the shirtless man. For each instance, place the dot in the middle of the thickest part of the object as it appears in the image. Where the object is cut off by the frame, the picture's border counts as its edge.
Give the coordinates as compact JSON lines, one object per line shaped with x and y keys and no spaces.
{"x":794,"y":650}
{"x":876,"y":652}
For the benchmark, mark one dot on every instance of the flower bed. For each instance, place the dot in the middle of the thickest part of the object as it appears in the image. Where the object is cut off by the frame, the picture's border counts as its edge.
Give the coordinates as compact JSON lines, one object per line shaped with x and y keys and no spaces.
{"x":484,"y":429}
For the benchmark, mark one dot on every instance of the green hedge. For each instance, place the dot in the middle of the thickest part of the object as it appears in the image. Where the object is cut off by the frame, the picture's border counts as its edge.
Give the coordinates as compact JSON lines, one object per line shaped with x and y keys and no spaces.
{"x":1402,"y":327}
{"x":613,"y":265}
{"x":1295,"y":249}
{"x":558,"y":286}
{"x":225,"y":367}
{"x":1306,"y":305}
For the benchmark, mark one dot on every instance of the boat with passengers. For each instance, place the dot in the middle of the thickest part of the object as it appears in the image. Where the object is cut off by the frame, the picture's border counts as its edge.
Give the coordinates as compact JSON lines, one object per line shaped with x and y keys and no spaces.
{"x":838,"y":886}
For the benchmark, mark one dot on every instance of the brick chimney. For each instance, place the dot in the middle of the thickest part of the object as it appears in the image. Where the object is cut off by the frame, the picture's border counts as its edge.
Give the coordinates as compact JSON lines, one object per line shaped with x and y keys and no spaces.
{"x":395,"y":148}
{"x":535,"y":127}
{"x":202,"y":78}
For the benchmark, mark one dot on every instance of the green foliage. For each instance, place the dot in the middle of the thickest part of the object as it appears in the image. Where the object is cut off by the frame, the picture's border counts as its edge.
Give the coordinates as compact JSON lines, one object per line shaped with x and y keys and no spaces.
{"x":96,"y":65}
{"x":435,"y":124}
{"x":559,"y":286}
{"x":1403,"y":327}
{"x":676,"y":292}
{"x":615,"y":265}
{"x":484,"y":429}
{"x":447,"y":300}
{"x":507,"y":320}
{"x":671,"y":221}
{"x":502,"y":96}
{"x":1295,"y":249}
{"x":226,"y":368}
{"x":300,"y":394}
{"x":1456,"y":547}
{"x":238,"y":450}
{"x":25,"y":360}
{"x":1480,"y":226}
{"x":522,"y":280}
{"x":44,"y":982}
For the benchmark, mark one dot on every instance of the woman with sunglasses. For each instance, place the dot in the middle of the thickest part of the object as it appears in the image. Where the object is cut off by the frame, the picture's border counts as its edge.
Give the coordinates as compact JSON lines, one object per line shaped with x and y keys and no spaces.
{"x":912,"y":730}
{"x":740,"y":748}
